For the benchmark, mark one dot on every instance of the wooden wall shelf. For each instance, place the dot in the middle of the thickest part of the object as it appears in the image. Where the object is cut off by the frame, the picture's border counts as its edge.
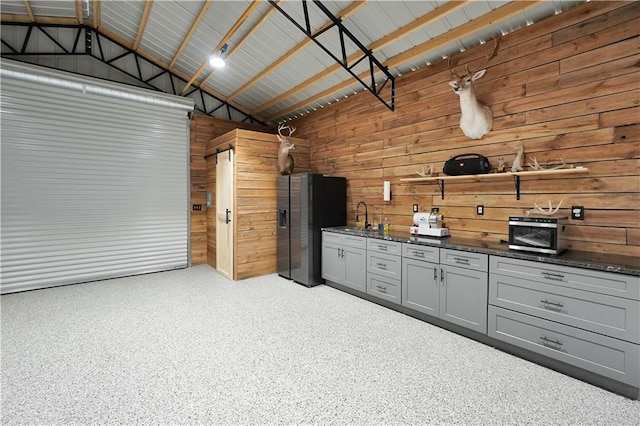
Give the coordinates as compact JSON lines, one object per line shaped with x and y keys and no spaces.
{"x":492,"y":176}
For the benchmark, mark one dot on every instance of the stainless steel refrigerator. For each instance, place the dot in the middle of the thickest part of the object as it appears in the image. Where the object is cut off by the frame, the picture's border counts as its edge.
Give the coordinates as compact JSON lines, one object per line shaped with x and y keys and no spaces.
{"x":306,"y":204}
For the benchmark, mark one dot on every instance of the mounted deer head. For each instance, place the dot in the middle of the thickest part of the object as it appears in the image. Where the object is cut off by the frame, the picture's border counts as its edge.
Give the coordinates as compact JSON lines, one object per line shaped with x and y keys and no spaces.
{"x":476,"y":119}
{"x":285,"y":160}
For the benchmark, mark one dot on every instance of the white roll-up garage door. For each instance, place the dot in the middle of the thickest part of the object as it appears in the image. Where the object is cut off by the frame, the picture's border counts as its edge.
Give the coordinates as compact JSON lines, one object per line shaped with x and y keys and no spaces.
{"x":95,"y":179}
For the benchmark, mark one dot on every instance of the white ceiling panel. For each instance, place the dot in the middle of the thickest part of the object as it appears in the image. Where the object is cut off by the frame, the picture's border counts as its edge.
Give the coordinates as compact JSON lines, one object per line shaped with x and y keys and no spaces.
{"x":123,"y":17}
{"x":167,"y":26}
{"x":254,"y":44}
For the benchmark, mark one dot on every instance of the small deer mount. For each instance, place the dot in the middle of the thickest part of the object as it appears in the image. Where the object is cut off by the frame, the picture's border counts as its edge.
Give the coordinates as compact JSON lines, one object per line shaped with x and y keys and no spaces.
{"x":285,"y":160}
{"x":476,"y":119}
{"x":517,"y":165}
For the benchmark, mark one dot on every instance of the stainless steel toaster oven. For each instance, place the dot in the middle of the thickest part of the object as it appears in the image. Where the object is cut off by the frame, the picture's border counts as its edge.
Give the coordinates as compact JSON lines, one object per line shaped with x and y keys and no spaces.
{"x":539,"y":234}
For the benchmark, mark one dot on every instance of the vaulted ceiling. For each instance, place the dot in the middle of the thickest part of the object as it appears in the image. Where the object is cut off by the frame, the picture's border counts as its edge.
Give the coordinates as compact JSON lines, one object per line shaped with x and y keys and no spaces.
{"x":284,"y":58}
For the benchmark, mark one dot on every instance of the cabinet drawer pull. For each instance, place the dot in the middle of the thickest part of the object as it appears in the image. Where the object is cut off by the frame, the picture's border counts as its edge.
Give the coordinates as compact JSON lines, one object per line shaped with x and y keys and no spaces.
{"x":338,"y":252}
{"x":435,"y":275}
{"x":342,"y":253}
{"x":382,"y":289}
{"x":418,"y":254}
{"x":382,"y":265}
{"x":546,"y":341}
{"x":461,"y":260}
{"x":381,"y":247}
{"x":551,"y":276}
{"x":553,"y":305}
{"x":442,"y":276}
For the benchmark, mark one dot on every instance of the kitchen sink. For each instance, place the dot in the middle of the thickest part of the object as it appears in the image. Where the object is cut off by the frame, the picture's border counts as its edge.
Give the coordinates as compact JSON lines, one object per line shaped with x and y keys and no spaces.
{"x":359,"y":230}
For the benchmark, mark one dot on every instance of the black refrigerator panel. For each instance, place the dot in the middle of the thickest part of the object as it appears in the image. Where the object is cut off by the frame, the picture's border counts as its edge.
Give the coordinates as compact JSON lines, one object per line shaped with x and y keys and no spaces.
{"x":282,"y":233}
{"x":329,"y":208}
{"x":301,"y":219}
{"x":314,"y":202}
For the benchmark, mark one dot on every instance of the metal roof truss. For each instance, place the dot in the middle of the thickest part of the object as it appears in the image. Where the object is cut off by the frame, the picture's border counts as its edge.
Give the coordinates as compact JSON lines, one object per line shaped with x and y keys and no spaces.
{"x":201,"y":97}
{"x":340,"y":57}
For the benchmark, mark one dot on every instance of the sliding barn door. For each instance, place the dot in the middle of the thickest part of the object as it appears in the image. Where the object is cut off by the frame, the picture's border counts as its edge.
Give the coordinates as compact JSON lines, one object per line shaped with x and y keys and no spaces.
{"x":225,"y":196}
{"x":94,"y":179}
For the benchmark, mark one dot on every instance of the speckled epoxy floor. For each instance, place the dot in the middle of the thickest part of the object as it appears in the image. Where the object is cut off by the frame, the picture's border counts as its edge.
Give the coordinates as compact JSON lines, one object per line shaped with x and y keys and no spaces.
{"x":191,"y":347}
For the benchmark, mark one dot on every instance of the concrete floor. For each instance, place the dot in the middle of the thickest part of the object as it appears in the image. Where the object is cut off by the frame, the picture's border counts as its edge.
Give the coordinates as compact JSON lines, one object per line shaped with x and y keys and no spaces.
{"x":191,"y":347}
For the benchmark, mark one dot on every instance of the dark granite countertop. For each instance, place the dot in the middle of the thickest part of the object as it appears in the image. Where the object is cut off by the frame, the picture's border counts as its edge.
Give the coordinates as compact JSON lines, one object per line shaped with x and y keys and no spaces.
{"x":628,"y":265}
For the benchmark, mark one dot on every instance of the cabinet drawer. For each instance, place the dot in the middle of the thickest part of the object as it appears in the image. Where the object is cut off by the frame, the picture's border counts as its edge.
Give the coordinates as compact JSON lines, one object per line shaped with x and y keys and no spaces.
{"x":353,"y":241}
{"x":418,"y":252}
{"x":331,"y":237}
{"x":383,"y":246}
{"x":582,"y":279}
{"x":612,"y":316}
{"x":384,"y":264}
{"x":464,"y":259}
{"x":383,"y":287}
{"x":602,"y":355}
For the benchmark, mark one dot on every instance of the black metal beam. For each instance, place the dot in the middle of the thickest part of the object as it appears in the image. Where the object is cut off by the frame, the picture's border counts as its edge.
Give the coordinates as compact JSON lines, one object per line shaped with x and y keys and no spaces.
{"x":86,"y":49}
{"x":341,"y":56}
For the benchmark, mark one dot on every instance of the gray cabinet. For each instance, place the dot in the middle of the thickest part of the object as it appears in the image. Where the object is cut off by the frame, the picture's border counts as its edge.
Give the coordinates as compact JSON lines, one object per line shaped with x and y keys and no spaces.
{"x":463,"y":291}
{"x":344,"y":260}
{"x":384,"y":269}
{"x":421,"y":278}
{"x":609,"y":357}
{"x":590,"y":319}
{"x":431,"y":284}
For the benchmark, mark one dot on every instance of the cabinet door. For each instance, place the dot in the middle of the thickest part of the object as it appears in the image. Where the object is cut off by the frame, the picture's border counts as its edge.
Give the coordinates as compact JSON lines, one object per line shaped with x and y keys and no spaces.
{"x":420,"y":286}
{"x":463,"y":297}
{"x":355,"y":268}
{"x":332,"y":264}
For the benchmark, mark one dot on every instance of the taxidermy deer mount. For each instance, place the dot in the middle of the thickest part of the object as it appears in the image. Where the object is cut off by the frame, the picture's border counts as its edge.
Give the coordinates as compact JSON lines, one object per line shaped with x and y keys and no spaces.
{"x":285,"y":160}
{"x":476,"y":118}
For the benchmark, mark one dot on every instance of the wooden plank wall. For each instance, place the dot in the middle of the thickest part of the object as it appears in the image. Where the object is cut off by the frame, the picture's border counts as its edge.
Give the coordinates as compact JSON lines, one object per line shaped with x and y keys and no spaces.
{"x":203,"y":129}
{"x":255,"y":215}
{"x":565,"y":87}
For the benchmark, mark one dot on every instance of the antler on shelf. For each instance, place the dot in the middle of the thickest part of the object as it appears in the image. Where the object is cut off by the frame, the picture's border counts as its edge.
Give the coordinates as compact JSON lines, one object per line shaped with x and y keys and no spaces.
{"x":539,"y":210}
{"x":427,"y":173}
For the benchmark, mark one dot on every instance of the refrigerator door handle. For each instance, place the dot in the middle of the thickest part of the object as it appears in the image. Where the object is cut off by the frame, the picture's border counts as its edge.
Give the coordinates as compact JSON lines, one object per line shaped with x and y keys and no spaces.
{"x":282,"y":218}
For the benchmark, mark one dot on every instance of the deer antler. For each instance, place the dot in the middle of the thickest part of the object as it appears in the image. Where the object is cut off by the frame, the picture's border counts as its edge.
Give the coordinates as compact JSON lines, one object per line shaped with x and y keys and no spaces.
{"x":540,"y":210}
{"x":488,"y":57}
{"x":424,"y":173}
{"x":282,"y":127}
{"x":496,"y":44}
{"x":453,"y":73}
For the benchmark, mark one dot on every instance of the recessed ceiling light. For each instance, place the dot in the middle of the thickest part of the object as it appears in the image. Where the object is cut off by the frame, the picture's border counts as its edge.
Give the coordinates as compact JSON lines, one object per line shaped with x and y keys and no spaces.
{"x":217,"y":62}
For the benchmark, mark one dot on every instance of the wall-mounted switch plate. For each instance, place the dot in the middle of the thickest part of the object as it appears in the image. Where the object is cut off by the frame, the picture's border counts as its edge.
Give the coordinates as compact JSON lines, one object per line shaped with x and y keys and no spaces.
{"x":197,"y":207}
{"x":480,"y":210}
{"x":577,"y":212}
{"x":415,"y":208}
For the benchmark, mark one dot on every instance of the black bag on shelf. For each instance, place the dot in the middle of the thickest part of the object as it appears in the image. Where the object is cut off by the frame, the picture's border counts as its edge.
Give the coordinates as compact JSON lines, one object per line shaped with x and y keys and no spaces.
{"x":466,"y":164}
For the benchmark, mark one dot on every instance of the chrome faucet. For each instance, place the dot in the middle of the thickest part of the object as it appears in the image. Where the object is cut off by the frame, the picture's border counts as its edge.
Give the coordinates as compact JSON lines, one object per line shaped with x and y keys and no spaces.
{"x":366,"y":215}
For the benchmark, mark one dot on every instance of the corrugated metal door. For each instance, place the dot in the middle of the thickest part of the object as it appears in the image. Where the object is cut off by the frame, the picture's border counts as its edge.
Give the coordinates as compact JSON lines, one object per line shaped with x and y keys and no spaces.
{"x":94,"y":179}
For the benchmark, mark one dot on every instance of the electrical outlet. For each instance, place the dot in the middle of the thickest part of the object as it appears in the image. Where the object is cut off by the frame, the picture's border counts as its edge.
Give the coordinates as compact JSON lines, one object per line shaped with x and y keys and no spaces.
{"x":577,"y":212}
{"x":415,"y":208}
{"x":480,"y":210}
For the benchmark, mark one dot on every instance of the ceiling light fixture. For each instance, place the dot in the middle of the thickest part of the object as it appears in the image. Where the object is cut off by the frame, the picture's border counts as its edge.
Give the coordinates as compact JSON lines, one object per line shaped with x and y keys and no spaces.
{"x":217,"y":61}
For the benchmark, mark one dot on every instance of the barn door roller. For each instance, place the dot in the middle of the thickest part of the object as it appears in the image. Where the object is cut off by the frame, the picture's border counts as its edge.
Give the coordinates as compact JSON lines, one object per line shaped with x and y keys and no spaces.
{"x":341,"y":57}
{"x":219,"y":151}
